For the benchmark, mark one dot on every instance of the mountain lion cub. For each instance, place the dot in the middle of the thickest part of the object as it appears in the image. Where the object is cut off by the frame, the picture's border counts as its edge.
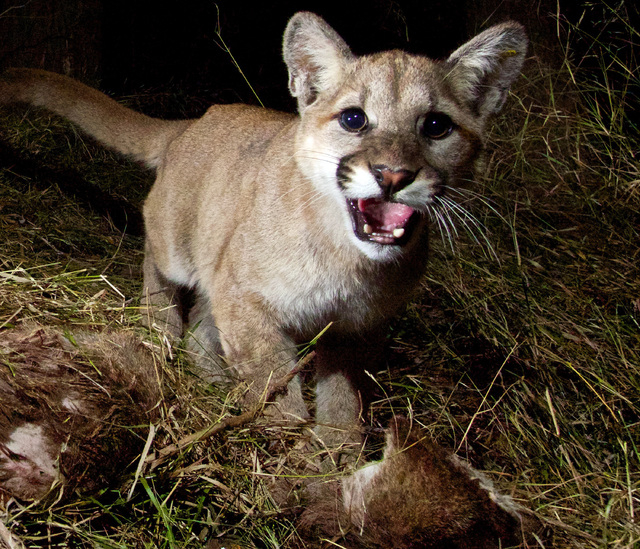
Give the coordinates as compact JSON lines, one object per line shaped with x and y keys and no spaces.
{"x":284,"y":224}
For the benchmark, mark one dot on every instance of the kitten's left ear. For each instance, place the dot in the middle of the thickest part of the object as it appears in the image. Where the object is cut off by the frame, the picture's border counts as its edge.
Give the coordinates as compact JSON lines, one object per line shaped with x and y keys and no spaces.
{"x":483,"y":69}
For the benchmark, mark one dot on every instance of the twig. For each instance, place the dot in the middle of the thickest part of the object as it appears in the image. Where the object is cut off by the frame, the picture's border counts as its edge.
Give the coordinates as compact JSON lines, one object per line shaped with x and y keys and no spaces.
{"x":234,"y":421}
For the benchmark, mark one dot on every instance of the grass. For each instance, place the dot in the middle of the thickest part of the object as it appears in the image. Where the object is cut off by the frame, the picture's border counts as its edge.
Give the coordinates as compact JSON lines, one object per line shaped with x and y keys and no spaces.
{"x":526,"y":360}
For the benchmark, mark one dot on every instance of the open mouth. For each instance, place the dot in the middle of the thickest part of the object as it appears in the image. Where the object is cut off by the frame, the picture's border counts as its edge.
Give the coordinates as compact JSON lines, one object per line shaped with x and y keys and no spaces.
{"x":381,"y":221}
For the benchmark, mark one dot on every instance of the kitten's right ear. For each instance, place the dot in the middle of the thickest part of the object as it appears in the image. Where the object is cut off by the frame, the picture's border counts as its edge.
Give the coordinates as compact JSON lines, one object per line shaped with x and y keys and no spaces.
{"x":315,"y":55}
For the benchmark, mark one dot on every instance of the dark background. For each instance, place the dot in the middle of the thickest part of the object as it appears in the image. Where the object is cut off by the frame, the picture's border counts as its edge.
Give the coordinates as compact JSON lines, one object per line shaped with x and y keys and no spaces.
{"x":129,"y":47}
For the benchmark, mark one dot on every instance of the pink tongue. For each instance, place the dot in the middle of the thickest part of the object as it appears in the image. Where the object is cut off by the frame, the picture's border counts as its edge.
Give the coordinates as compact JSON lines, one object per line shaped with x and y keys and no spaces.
{"x":385,"y":213}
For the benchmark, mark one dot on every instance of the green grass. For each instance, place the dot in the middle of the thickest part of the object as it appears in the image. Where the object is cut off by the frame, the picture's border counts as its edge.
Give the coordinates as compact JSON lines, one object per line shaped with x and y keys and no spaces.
{"x":526,"y":363}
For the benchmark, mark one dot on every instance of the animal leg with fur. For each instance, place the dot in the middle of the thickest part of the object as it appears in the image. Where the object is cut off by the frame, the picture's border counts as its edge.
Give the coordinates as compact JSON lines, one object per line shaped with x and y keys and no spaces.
{"x":161,"y":302}
{"x":259,"y":352}
{"x":345,"y":366}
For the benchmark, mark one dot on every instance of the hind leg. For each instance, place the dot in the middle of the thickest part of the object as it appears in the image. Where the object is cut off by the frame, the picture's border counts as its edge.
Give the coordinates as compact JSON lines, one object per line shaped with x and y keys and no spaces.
{"x":202,"y":343}
{"x":161,"y":303}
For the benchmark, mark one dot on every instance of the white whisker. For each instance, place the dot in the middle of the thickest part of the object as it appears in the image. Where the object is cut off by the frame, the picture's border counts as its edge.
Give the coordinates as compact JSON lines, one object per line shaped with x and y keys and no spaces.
{"x":317,"y":155}
{"x":315,"y":196}
{"x":474,"y":228}
{"x":445,"y":233}
{"x":470,"y":195}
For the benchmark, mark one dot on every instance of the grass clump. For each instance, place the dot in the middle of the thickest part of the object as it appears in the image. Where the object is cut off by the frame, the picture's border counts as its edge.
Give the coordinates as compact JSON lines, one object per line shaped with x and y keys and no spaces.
{"x":537,"y":353}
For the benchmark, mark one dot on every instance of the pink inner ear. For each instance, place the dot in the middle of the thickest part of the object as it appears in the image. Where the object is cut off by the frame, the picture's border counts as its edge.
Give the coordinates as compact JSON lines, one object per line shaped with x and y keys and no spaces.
{"x":383,"y":213}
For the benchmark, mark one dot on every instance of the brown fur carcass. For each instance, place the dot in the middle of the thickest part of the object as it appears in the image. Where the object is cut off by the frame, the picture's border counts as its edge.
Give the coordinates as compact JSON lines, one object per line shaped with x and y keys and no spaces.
{"x":418,"y":496}
{"x":75,"y":409}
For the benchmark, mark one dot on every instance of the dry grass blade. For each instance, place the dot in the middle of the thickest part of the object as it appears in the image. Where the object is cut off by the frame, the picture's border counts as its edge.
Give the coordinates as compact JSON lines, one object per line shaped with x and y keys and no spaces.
{"x":230,"y":422}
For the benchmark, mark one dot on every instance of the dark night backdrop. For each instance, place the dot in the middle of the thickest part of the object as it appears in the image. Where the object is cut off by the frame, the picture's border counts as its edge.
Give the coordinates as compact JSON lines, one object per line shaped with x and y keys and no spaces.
{"x":146,"y":46}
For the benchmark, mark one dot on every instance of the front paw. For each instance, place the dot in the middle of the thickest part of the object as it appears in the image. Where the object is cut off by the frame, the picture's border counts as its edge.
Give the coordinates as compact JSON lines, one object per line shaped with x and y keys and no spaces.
{"x":338,"y":445}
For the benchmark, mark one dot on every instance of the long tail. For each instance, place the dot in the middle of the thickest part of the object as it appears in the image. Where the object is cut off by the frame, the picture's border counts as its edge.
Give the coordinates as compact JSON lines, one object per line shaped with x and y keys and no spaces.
{"x":115,"y":126}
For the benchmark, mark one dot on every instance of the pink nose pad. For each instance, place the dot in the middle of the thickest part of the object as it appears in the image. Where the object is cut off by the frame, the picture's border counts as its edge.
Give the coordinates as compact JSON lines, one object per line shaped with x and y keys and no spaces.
{"x":392,"y":181}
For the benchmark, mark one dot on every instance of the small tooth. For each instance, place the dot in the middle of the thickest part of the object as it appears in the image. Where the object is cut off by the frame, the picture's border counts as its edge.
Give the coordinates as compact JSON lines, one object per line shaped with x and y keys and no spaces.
{"x":367,"y":229}
{"x":398,"y":232}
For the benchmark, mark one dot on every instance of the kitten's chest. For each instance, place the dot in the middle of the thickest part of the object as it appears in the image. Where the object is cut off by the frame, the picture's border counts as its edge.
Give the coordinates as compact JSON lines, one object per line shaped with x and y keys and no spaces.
{"x":351,"y":302}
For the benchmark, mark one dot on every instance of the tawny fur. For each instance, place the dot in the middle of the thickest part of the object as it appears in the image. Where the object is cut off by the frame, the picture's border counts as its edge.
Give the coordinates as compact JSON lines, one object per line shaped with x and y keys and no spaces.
{"x":417,"y":496}
{"x":75,"y":409}
{"x":284,"y":224}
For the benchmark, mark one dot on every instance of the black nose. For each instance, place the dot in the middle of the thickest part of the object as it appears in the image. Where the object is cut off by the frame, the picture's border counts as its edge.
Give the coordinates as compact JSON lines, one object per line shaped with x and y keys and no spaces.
{"x":392,"y":181}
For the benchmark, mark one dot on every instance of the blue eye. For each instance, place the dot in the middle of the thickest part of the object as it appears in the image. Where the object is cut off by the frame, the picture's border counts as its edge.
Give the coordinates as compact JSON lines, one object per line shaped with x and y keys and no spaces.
{"x":354,"y":120}
{"x":437,"y":125}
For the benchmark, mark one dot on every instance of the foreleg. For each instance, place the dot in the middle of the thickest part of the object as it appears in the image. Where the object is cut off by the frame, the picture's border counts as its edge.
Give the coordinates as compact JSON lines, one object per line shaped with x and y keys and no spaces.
{"x":259,"y":352}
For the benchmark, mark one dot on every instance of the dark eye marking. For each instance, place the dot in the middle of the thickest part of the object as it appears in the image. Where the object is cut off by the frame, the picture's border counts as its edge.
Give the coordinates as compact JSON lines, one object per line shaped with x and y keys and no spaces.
{"x":437,"y":125}
{"x":353,"y":120}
